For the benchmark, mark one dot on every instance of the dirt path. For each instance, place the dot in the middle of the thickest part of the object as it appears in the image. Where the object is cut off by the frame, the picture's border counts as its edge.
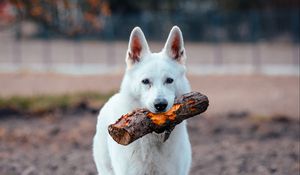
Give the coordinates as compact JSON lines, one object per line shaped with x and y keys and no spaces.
{"x":262,"y":95}
{"x":231,"y":144}
{"x":237,"y":135}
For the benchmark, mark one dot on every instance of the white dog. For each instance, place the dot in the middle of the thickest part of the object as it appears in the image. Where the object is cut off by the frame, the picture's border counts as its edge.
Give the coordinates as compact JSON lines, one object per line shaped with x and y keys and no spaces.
{"x":152,"y":81}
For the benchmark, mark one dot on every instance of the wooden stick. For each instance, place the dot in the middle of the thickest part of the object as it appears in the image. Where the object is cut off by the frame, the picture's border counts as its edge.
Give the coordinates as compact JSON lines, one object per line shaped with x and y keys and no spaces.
{"x":140,"y":122}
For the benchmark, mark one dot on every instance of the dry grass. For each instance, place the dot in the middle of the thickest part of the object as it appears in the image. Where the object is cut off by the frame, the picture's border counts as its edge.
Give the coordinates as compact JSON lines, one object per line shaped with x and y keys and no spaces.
{"x":42,"y":104}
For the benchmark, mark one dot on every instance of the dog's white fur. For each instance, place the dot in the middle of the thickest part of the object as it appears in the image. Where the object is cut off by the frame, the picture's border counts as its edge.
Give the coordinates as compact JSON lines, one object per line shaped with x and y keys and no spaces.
{"x":148,"y":155}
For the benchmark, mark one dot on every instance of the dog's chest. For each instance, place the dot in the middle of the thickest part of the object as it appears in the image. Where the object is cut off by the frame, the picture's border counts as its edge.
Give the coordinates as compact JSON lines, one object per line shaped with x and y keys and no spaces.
{"x":150,"y":157}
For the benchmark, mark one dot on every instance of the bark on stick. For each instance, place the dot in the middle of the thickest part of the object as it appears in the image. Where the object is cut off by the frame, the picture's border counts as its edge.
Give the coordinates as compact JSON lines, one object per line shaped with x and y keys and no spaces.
{"x":140,"y":122}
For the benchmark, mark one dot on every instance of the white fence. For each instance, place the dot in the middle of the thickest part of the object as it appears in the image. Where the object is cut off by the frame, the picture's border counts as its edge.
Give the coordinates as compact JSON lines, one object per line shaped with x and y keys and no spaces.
{"x":92,"y":57}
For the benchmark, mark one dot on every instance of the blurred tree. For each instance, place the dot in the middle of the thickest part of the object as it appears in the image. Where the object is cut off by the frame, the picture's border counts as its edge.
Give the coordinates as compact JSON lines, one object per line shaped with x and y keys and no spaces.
{"x":68,"y":17}
{"x":234,"y":20}
{"x":7,"y":14}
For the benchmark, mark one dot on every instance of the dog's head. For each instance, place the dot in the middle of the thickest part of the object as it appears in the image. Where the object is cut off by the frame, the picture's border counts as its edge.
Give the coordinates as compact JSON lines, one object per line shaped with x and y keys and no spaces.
{"x":155,"y":79}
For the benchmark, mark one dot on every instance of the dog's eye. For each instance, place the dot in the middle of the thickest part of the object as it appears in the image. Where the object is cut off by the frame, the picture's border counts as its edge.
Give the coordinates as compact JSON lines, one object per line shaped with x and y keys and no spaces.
{"x":169,"y":80}
{"x":146,"y":81}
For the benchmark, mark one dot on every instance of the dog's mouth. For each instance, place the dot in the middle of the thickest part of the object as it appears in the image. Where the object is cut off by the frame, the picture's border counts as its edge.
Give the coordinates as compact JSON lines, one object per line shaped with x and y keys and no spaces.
{"x":159,"y":112}
{"x":166,"y":134}
{"x":155,"y":111}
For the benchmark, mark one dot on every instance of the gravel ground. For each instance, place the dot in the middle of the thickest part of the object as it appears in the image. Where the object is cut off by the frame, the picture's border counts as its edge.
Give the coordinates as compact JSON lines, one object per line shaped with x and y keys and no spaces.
{"x":231,"y":144}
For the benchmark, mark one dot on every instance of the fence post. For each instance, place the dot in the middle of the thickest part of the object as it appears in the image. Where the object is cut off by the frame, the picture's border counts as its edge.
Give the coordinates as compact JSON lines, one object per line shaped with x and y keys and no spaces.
{"x":17,"y":46}
{"x":296,"y":55}
{"x":78,"y":54}
{"x":295,"y":17}
{"x":218,"y":55}
{"x":109,"y":35}
{"x":256,"y":53}
{"x":47,"y":51}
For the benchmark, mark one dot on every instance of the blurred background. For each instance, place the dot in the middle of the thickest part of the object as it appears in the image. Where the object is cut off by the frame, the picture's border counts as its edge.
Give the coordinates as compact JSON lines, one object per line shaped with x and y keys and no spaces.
{"x":60,"y":60}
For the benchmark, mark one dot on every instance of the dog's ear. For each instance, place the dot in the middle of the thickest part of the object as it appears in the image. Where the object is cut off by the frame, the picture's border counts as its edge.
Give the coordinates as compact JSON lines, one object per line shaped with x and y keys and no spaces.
{"x":174,"y":47}
{"x":137,"y":47}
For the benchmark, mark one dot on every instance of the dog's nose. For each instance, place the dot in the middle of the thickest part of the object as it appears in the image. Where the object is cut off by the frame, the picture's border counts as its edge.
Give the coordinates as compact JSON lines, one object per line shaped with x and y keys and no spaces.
{"x":160,"y":104}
